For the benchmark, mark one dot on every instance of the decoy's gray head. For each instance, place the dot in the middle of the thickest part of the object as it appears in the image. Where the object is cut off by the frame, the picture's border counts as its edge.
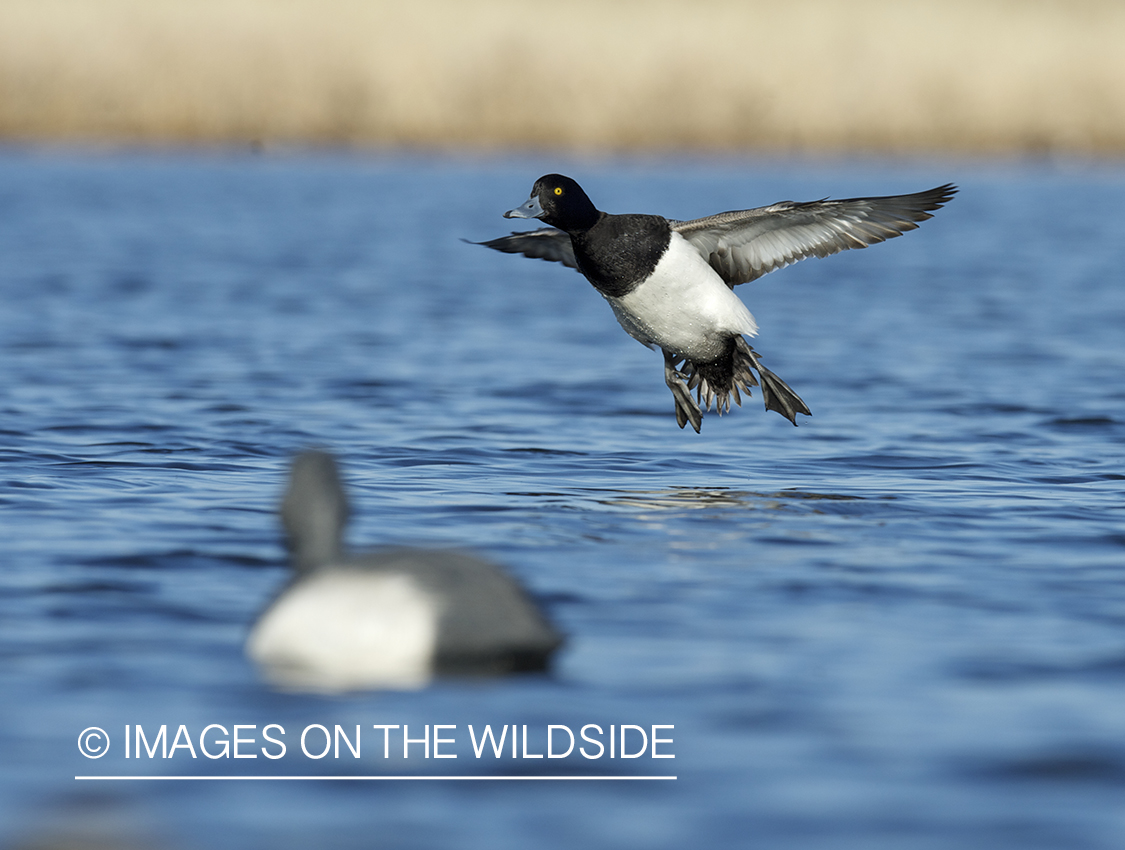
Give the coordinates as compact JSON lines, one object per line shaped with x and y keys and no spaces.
{"x":559,"y":202}
{"x":314,"y":511}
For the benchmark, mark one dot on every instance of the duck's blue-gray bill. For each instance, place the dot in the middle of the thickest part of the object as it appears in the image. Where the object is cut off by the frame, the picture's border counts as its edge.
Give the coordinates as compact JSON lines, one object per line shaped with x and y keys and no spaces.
{"x":531,"y":209}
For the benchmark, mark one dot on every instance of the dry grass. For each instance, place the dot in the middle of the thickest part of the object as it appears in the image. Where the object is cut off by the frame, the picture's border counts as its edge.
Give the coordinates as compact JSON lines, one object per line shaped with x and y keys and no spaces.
{"x":807,"y":75}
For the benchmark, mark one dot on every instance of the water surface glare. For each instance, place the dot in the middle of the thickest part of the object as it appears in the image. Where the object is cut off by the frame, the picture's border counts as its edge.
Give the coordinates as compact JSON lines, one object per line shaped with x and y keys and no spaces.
{"x":901,"y":624}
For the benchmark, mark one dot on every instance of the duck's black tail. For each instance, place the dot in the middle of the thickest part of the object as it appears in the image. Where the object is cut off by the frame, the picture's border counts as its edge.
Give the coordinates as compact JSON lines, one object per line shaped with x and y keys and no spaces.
{"x":716,"y":381}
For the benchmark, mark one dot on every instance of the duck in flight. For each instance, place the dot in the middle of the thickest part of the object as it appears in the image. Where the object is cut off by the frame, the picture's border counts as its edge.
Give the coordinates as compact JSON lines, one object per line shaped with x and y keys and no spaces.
{"x":671,"y":283}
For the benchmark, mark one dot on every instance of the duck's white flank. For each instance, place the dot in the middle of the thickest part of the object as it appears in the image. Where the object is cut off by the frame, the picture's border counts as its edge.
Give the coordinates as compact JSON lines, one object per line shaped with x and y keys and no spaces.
{"x":341,"y":630}
{"x":684,"y":307}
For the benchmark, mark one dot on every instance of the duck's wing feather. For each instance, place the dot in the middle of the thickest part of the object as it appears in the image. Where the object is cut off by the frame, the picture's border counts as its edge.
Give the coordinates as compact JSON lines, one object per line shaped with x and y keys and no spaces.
{"x":546,"y":243}
{"x":743,"y":245}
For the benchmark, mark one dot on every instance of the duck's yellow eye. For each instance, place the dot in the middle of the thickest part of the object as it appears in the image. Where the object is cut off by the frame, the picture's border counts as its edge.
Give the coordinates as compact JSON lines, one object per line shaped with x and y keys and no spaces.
{"x":558,"y":190}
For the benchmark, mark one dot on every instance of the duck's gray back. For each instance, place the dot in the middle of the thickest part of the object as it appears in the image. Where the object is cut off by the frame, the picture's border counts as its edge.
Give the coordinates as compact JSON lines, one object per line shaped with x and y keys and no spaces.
{"x":487,"y":623}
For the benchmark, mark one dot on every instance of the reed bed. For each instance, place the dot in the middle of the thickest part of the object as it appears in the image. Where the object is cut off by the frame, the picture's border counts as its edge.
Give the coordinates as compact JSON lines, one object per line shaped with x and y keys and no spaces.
{"x":976,"y":76}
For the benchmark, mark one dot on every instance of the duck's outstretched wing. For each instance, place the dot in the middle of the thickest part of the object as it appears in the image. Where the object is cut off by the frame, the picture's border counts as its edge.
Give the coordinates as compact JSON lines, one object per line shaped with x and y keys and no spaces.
{"x":546,"y":243}
{"x":743,"y":245}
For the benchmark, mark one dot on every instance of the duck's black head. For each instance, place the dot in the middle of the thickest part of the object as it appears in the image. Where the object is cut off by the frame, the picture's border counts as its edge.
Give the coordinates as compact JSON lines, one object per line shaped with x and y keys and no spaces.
{"x":314,"y":511}
{"x":559,"y":202}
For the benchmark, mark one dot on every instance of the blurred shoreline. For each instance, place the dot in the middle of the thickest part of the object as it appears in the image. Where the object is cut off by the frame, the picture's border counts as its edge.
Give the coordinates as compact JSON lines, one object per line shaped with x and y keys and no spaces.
{"x":714,"y":76}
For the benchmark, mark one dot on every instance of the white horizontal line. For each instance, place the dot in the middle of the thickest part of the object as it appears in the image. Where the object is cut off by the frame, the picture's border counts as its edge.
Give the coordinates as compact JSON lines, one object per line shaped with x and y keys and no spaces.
{"x":382,"y":778}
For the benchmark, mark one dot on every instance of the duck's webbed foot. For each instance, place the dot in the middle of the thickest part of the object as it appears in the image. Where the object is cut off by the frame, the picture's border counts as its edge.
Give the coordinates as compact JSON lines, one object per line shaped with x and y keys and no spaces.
{"x":777,"y":394}
{"x":686,"y":408}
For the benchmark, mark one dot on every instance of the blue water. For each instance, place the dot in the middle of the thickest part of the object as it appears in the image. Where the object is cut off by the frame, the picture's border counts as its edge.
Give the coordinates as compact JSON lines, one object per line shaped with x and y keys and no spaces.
{"x":901,"y":624}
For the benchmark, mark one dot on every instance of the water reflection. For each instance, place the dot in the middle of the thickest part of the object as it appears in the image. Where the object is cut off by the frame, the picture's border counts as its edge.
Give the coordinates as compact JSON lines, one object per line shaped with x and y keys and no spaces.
{"x":692,"y":498}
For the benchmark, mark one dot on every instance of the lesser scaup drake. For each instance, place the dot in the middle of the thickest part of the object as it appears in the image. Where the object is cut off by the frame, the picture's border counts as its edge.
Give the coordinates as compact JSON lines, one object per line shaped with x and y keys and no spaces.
{"x":671,"y":283}
{"x":388,"y":619}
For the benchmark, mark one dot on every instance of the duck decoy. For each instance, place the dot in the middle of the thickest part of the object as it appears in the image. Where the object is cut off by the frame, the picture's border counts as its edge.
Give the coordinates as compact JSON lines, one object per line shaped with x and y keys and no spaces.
{"x":391,"y":618}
